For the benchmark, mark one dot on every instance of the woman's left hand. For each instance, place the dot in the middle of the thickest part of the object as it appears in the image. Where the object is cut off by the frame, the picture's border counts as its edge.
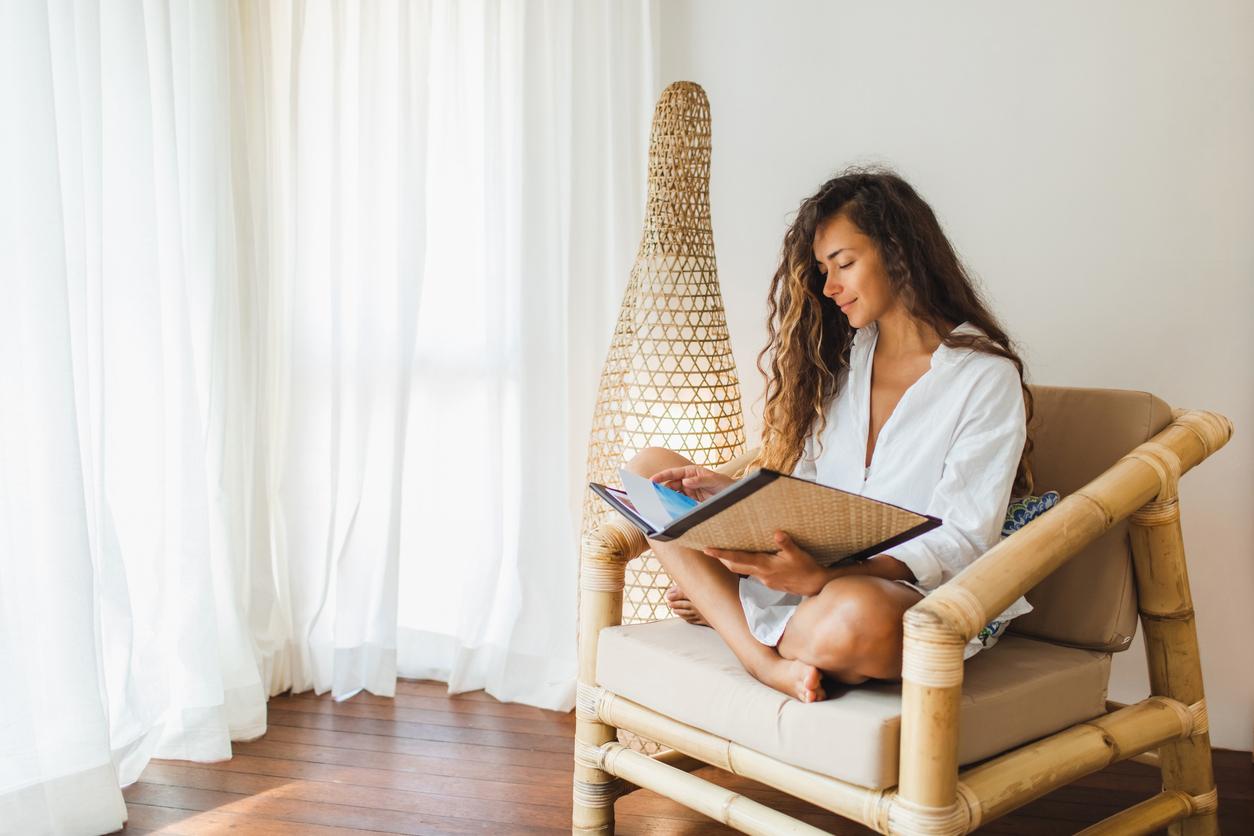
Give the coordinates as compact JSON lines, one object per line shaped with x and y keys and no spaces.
{"x":791,"y":569}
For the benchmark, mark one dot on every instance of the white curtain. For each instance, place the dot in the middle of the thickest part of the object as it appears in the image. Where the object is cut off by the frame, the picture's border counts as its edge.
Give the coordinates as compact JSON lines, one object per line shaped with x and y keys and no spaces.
{"x":542,"y":122}
{"x":302,"y":307}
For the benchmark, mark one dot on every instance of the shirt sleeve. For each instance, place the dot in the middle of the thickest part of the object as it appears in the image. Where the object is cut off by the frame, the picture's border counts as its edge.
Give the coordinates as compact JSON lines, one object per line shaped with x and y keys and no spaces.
{"x":976,"y":480}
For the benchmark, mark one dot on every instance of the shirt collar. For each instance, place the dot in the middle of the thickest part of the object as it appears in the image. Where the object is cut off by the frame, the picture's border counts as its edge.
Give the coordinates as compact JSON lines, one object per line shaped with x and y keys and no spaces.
{"x":863,"y":336}
{"x":944,"y":354}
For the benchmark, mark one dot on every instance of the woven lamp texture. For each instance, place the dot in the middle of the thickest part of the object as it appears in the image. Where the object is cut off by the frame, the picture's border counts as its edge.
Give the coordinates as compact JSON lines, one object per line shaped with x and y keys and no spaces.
{"x":670,"y":377}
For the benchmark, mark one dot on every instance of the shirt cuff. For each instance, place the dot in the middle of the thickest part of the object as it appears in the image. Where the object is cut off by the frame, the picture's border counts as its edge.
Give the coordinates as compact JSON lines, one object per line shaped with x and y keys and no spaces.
{"x":926,"y":568}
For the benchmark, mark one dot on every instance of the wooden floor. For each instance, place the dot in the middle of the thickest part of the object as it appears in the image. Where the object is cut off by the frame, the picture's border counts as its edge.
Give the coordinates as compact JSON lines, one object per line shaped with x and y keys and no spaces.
{"x":425,"y":762}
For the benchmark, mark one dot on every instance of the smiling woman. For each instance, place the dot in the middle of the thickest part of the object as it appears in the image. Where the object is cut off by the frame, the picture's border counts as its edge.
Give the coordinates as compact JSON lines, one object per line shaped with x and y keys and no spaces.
{"x":853,"y":271}
{"x":888,"y":377}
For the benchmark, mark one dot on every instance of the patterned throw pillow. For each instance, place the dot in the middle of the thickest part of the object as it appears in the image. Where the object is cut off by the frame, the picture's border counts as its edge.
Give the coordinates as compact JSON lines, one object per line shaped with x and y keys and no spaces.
{"x":1018,"y":514}
{"x":1023,"y":511}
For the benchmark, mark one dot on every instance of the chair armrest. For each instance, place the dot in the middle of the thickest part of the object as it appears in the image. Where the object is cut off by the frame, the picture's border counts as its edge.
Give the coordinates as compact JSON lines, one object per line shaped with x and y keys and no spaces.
{"x":615,"y":541}
{"x":605,"y":552}
{"x":1028,"y":556}
{"x":937,"y":628}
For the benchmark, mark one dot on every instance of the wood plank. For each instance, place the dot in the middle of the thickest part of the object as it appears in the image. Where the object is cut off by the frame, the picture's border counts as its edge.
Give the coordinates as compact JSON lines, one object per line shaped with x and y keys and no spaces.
{"x":453,"y":705}
{"x":422,"y":731}
{"x":554,"y":725}
{"x":454,"y":767}
{"x":430,"y":802}
{"x":411,"y":746}
{"x":498,"y":787}
{"x":315,"y":812}
{"x":179,"y":822}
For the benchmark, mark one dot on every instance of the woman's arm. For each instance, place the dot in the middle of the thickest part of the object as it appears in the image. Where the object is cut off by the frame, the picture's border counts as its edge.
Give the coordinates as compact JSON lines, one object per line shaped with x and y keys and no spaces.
{"x":792,"y":569}
{"x":975,"y":482}
{"x":880,"y":566}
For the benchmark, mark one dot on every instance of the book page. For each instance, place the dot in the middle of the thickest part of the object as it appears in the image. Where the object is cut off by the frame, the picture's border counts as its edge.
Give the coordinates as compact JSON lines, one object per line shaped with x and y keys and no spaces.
{"x":658,"y":504}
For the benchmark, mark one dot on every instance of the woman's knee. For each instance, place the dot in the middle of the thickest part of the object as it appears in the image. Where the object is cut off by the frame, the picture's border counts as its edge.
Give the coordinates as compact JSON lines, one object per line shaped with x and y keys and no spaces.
{"x":652,"y":460}
{"x":857,"y":629}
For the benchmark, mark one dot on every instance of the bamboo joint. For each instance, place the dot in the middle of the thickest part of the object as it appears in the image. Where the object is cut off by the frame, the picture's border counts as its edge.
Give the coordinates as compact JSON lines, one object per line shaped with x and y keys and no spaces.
{"x":586,"y":699}
{"x":1165,"y":462}
{"x":911,"y":819}
{"x":1157,"y":512}
{"x":588,"y":794}
{"x":933,"y":644}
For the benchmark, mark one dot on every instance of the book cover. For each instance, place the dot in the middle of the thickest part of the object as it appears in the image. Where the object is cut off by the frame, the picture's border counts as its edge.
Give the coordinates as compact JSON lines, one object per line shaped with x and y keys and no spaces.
{"x":832,"y":525}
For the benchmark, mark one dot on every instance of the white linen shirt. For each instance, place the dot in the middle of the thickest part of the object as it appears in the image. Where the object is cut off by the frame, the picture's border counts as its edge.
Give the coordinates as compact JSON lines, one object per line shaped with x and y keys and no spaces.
{"x":950,"y":448}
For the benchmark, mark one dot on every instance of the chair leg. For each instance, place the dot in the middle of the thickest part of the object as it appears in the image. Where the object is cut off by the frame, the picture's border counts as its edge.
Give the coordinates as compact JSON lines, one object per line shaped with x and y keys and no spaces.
{"x":600,"y":606}
{"x":594,"y":790}
{"x":927,"y":801}
{"x":1175,"y":668}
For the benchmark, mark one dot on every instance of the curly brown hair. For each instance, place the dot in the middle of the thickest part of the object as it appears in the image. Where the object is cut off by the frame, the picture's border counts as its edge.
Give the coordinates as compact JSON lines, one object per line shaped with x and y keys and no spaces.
{"x":809,"y":339}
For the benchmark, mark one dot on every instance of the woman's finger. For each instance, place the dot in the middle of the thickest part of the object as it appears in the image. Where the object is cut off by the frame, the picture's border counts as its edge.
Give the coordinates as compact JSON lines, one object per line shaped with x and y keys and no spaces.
{"x":740,"y":568}
{"x":670,"y":474}
{"x":749,"y":558}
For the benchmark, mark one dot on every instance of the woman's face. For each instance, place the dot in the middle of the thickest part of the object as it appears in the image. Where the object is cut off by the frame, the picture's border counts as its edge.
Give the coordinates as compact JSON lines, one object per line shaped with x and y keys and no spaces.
{"x":855,"y":277}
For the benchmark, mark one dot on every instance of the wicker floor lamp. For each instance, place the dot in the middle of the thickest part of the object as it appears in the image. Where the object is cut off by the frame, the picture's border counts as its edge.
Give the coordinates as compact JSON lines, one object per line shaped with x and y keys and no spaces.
{"x":670,"y":378}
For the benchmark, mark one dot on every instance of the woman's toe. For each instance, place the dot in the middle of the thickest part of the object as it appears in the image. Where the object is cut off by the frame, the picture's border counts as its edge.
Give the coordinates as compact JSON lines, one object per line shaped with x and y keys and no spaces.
{"x":811,"y":685}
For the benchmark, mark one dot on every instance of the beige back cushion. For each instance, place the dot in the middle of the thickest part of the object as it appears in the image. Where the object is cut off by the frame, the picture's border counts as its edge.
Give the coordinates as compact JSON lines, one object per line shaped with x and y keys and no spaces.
{"x":1091,"y":601}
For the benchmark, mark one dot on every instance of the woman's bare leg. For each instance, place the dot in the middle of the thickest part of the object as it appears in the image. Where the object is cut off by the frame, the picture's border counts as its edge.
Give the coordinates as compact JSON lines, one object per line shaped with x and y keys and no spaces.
{"x":850,"y":636}
{"x":714,"y":591}
{"x":851,"y":630}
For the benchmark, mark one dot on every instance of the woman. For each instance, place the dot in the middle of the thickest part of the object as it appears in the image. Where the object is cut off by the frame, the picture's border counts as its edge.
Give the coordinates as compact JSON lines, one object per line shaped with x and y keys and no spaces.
{"x":888,"y":377}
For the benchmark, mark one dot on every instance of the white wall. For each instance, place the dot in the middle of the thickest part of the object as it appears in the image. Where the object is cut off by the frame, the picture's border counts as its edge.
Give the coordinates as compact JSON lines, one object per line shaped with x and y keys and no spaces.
{"x":1094,"y":165}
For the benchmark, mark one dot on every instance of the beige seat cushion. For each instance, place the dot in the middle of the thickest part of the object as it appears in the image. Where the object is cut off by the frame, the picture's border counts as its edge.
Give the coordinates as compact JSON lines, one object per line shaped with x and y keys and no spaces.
{"x":1018,"y":691}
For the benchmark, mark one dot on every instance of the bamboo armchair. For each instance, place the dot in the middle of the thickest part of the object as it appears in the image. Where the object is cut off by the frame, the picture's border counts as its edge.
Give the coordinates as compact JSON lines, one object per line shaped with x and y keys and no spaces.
{"x":932,"y":794}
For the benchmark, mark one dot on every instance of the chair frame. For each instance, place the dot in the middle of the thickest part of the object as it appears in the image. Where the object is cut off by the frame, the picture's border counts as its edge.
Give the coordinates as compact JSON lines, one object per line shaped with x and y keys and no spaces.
{"x":934,"y":796}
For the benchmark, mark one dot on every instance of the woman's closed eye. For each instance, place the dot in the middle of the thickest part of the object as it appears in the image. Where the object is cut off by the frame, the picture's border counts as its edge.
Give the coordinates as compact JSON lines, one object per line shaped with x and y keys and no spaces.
{"x":843,"y":266}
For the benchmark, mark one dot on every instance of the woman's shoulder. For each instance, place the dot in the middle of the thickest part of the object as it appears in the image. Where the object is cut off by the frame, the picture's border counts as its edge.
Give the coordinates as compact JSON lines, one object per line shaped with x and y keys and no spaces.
{"x":972,"y":359}
{"x":982,"y":375}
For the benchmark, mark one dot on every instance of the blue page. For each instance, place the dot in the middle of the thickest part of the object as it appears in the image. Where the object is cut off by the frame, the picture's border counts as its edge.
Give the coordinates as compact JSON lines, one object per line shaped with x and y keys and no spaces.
{"x":658,"y":504}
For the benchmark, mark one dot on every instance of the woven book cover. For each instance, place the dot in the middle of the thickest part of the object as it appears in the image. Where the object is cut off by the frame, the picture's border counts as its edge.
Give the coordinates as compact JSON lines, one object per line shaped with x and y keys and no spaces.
{"x":832,"y":525}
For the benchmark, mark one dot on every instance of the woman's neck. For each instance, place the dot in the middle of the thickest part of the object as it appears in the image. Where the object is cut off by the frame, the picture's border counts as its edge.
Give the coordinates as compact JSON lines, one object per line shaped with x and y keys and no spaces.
{"x":901,"y":335}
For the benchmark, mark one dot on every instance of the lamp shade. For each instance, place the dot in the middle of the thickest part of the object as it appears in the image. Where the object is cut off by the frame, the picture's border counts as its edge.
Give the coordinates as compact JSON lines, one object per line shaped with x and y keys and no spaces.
{"x":670,"y":377}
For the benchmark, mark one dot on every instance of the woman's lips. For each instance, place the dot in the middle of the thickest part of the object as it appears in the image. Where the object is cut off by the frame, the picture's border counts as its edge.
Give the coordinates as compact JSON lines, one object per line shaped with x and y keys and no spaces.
{"x":845,"y":306}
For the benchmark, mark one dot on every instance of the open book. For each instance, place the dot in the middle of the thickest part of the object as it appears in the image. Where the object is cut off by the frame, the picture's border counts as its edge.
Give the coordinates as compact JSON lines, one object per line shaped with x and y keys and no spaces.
{"x":832,"y":525}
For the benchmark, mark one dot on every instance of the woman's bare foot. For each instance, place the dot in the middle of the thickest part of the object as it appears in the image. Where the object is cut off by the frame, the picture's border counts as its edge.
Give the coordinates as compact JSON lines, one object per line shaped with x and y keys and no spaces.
{"x":682,"y":607}
{"x":794,"y":678}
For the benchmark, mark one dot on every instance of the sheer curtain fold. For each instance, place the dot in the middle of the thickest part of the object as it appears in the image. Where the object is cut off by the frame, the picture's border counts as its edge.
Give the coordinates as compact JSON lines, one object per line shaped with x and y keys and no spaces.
{"x":48,"y":657}
{"x":302,"y":307}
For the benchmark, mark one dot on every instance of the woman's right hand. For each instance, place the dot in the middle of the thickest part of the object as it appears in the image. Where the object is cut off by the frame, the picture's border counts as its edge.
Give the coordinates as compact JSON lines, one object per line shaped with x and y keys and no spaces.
{"x":693,"y":480}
